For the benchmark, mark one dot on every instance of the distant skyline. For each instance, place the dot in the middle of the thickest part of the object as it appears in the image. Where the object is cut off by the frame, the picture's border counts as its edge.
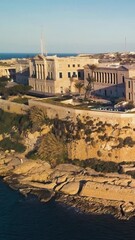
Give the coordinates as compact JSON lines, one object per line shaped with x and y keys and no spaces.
{"x":73,"y":26}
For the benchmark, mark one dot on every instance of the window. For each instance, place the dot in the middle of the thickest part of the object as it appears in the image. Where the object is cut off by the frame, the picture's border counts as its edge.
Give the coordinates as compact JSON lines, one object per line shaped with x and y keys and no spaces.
{"x":129,"y":96}
{"x":61,"y":89}
{"x":114,"y":78}
{"x":78,"y":65}
{"x":51,"y":75}
{"x":128,"y":84}
{"x":105,"y":77}
{"x":100,"y":77}
{"x":74,"y":74}
{"x":111,"y":78}
{"x":60,"y":75}
{"x":68,"y":65}
{"x":79,"y":74}
{"x":123,"y":79}
{"x":73,"y":65}
{"x":108,"y":77}
{"x":69,"y":74}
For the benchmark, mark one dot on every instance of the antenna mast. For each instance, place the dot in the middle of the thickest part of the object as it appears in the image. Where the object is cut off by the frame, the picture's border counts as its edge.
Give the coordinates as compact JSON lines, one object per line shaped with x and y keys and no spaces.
{"x":41,"y":45}
{"x":43,"y":52}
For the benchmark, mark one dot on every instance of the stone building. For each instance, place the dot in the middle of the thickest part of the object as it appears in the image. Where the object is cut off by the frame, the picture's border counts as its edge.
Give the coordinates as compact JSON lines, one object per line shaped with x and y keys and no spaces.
{"x":57,"y":74}
{"x":110,"y":79}
{"x":22,"y":71}
{"x":130,"y":89}
{"x":7,"y":70}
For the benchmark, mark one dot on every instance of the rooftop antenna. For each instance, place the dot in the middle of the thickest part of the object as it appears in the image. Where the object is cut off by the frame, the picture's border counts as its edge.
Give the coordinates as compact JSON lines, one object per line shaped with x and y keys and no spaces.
{"x":43,"y":52}
{"x":41,"y":45}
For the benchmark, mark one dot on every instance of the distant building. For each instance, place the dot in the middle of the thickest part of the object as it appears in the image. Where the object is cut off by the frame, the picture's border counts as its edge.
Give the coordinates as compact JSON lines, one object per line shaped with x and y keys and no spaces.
{"x":57,"y":74}
{"x":7,"y":70}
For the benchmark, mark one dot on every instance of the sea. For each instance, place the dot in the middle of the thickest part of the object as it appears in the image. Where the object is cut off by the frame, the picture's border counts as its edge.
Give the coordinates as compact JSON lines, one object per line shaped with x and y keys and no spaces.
{"x":24,"y":218}
{"x":29,"y":55}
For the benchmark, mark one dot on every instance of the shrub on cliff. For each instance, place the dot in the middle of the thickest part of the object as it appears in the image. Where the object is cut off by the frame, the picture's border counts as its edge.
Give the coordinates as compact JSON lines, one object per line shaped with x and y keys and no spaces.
{"x":131,"y":173}
{"x":38,"y":117}
{"x":129,"y":141}
{"x":52,"y":149}
{"x":8,"y":144}
{"x":101,"y":166}
{"x":11,"y":121}
{"x":21,"y":100}
{"x":18,"y":89}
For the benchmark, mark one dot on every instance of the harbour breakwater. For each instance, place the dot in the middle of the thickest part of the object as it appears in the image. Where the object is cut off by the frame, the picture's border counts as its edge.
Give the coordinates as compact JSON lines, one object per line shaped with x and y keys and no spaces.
{"x":82,"y":188}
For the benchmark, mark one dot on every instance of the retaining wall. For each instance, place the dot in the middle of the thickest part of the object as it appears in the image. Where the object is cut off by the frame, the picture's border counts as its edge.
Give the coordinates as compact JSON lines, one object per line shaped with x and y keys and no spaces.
{"x":13,"y":107}
{"x":110,"y":117}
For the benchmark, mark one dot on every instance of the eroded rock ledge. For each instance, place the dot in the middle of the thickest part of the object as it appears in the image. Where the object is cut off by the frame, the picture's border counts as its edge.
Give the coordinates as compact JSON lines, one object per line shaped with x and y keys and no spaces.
{"x":85,"y":189}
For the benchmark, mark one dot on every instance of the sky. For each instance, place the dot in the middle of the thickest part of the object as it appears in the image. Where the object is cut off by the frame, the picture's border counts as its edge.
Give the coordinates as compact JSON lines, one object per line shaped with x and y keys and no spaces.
{"x":67,"y":26}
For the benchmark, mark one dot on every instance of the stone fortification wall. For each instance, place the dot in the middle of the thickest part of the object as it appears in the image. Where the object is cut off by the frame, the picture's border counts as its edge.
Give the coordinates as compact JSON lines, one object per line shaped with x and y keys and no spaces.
{"x":13,"y":107}
{"x":62,"y":112}
{"x":107,"y":136}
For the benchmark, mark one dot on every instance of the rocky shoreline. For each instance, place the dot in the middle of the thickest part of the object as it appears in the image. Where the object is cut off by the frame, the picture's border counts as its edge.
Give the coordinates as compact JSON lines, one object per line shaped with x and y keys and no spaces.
{"x":84,"y":189}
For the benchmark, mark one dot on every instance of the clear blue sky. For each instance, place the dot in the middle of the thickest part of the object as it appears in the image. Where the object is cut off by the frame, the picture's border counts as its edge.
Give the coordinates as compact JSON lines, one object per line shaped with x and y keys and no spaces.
{"x":67,"y":25}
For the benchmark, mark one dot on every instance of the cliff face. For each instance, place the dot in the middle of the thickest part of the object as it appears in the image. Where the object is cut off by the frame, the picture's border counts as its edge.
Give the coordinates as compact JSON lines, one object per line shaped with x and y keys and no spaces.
{"x":84,"y":138}
{"x":91,"y":134}
{"x":104,"y":141}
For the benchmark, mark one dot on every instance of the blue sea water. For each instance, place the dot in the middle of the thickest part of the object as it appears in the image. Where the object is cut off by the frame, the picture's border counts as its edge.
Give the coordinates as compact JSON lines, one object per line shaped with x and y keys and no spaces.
{"x":27,"y":219}
{"x":29,"y":55}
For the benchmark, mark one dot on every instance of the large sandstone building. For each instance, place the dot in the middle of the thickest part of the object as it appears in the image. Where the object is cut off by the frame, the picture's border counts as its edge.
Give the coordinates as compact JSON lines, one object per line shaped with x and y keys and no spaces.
{"x":57,"y":74}
{"x":52,"y":74}
{"x":112,"y":80}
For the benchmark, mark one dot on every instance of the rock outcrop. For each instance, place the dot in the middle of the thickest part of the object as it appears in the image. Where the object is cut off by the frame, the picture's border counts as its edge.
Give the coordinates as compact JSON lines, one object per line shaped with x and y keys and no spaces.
{"x":86,"y":189}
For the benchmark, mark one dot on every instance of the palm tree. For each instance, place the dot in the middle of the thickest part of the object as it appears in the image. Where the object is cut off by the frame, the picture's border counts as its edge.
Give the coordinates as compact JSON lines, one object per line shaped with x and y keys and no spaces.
{"x":90,"y":85}
{"x":93,"y":67}
{"x":52,"y":149}
{"x":79,"y":86}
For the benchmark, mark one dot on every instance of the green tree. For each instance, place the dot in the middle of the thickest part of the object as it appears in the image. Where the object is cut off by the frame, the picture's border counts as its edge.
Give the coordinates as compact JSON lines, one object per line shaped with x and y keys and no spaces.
{"x":79,"y":86}
{"x":90,"y":86}
{"x":93,"y":67}
{"x":52,"y":149}
{"x":18,"y":89}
